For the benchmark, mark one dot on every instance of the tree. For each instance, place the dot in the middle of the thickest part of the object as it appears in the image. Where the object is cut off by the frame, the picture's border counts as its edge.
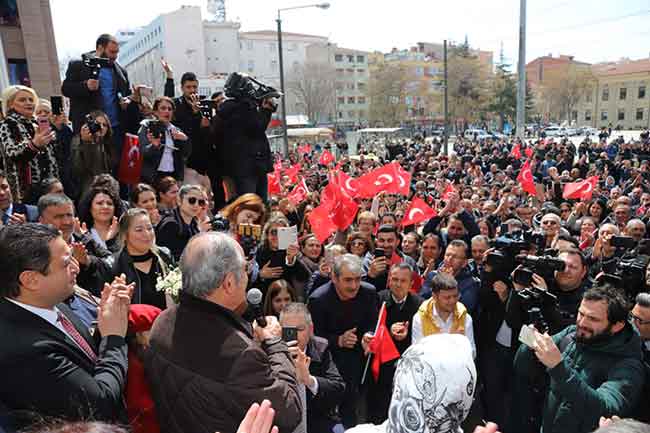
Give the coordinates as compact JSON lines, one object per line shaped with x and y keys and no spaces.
{"x":468,"y":89}
{"x":562,"y":89}
{"x":312,"y":89}
{"x":504,"y":94}
{"x":387,"y":90}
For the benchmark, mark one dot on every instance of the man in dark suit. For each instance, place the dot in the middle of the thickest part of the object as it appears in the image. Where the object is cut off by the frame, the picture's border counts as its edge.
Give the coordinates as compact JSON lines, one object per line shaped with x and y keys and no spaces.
{"x":343,"y":310}
{"x":401,"y":306}
{"x":322,"y":385}
{"x":49,"y":364}
{"x":10,"y":212}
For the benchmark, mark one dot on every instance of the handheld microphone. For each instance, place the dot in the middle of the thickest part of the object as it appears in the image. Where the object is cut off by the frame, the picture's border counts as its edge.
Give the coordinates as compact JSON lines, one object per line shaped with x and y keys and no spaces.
{"x":254,"y":299}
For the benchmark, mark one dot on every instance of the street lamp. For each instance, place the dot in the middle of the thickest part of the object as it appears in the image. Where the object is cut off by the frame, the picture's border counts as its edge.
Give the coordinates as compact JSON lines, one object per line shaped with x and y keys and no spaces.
{"x":285,"y":136}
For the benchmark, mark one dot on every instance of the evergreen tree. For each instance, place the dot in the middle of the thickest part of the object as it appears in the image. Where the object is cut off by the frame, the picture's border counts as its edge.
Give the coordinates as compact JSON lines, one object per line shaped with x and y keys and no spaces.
{"x":504,"y":88}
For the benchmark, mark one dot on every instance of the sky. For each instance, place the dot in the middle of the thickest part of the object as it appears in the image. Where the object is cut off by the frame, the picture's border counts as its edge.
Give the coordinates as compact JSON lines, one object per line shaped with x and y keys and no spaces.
{"x":590,"y":30}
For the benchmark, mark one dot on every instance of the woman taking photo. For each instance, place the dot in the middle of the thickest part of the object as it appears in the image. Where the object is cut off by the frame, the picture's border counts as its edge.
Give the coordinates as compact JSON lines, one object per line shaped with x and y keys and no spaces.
{"x":99,"y":210}
{"x":26,"y":148}
{"x":162,"y":144}
{"x":144,"y":197}
{"x":92,"y":150}
{"x":175,"y":229}
{"x":246,"y":209}
{"x":140,"y":259}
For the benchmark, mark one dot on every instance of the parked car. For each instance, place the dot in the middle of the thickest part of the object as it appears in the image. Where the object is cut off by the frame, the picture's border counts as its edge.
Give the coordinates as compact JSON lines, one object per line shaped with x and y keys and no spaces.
{"x":479,"y":134}
{"x":553,"y":131}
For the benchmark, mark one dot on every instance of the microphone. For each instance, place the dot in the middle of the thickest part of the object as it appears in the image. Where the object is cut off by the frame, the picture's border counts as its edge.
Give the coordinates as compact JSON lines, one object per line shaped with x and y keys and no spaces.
{"x":254,"y":299}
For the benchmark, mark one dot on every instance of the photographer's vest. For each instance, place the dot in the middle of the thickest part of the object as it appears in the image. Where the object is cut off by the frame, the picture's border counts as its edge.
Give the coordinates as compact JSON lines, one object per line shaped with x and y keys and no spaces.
{"x":429,"y":325}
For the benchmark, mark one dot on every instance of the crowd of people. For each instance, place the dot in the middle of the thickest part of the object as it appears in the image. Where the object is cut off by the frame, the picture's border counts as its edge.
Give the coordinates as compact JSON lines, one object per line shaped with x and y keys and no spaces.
{"x":533,"y":253}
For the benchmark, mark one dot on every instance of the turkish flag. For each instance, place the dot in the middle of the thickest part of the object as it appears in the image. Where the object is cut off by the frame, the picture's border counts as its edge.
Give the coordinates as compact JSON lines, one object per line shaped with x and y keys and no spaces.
{"x":304,"y":148}
{"x":292,"y":172}
{"x":448,"y":189}
{"x":529,"y":152}
{"x":525,"y":178}
{"x":417,"y":212}
{"x":349,"y":184}
{"x":403,"y":180}
{"x":382,"y":345}
{"x":326,"y":158}
{"x":343,"y":209}
{"x":580,"y":190}
{"x":273,"y":183}
{"x":299,"y":193}
{"x":321,"y":223}
{"x":131,"y":161}
{"x":277,"y":166}
{"x":516,"y":151}
{"x":387,"y":178}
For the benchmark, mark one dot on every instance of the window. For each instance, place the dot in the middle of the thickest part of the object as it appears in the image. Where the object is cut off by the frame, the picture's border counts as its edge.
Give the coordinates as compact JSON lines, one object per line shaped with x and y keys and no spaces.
{"x":361,"y":100}
{"x":588,"y":115}
{"x":574,"y":115}
{"x":361,"y":86}
{"x":241,"y":45}
{"x":641,"y":92}
{"x":605,"y":95}
{"x":351,"y":99}
{"x":588,"y":97}
{"x":249,"y":45}
{"x":251,"y":65}
{"x":603,"y":115}
{"x":350,"y":86}
{"x":362,"y":114}
{"x":621,"y":114}
{"x":338,"y":57}
{"x":639,"y":114}
{"x":214,"y":40}
{"x":622,"y":93}
{"x":360,"y":59}
{"x":274,"y":65}
{"x":338,"y":85}
{"x":340,"y":114}
{"x":18,"y":71}
{"x":340,"y":100}
{"x":350,"y":71}
{"x":340,"y":71}
{"x":352,"y":114}
{"x":350,"y":59}
{"x":205,"y":91}
{"x":361,"y":71}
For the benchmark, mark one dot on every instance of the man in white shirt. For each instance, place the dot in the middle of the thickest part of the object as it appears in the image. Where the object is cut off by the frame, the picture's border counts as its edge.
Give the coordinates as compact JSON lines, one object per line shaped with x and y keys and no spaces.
{"x":443,"y":313}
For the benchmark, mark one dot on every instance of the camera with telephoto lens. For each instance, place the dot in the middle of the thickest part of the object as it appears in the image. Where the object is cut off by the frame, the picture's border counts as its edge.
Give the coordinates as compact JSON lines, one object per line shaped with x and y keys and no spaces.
{"x":207,"y":107}
{"x":626,"y":274}
{"x":157,"y":128}
{"x":91,"y":123}
{"x":544,"y":266}
{"x":95,"y":64}
{"x":625,"y":242}
{"x":507,"y":248}
{"x":243,"y":86}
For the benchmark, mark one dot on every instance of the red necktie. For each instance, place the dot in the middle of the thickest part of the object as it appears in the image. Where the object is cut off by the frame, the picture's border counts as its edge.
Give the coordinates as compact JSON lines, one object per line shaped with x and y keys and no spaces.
{"x":76,"y":336}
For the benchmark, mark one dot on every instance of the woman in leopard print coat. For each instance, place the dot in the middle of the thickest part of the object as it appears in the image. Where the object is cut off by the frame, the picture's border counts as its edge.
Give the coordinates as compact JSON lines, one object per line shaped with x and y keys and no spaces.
{"x":26,"y":154}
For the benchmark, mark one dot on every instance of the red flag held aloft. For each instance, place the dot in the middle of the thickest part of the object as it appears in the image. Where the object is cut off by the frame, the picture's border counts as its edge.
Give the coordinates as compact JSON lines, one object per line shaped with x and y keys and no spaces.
{"x":131,"y":161}
{"x":382,"y":345}
{"x":299,"y":193}
{"x":343,"y":209}
{"x":304,"y":148}
{"x":525,"y":178}
{"x":386,"y":178}
{"x":349,"y":184}
{"x":293,"y":172}
{"x":516,"y":151}
{"x":580,"y":190}
{"x":273,"y":180}
{"x":321,"y":223}
{"x":417,"y":212}
{"x":326,"y":158}
{"x":529,"y":152}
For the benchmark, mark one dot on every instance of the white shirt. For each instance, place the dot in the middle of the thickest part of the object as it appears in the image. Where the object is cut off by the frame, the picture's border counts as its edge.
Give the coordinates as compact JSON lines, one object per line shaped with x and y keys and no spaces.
{"x":504,"y":336}
{"x":445,"y":327}
{"x":167,"y":160}
{"x":51,"y":316}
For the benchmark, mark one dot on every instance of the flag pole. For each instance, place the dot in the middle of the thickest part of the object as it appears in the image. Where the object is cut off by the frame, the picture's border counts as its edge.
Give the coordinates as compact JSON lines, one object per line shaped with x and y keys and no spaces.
{"x":365,"y":370}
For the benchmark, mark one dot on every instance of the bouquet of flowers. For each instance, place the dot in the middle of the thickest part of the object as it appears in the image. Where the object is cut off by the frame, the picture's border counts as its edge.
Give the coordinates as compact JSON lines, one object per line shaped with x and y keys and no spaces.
{"x":171,"y":284}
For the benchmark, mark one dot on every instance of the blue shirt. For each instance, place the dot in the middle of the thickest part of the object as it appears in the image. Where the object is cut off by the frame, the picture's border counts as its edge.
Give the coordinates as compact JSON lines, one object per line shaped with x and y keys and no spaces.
{"x":109,"y":96}
{"x":468,"y":288}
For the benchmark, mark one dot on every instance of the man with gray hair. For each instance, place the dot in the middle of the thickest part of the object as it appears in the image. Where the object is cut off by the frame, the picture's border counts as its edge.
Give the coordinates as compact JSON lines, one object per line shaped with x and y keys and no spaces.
{"x":206,"y":364}
{"x":320,"y":382}
{"x":635,"y":228}
{"x":343,"y":310}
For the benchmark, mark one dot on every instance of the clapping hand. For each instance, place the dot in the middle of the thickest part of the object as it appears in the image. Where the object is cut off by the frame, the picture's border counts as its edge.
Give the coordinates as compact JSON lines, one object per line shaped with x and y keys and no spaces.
{"x":79,"y":228}
{"x":348,"y":339}
{"x":259,"y":419}
{"x":114,"y":229}
{"x":80,"y":253}
{"x":113,"y":311}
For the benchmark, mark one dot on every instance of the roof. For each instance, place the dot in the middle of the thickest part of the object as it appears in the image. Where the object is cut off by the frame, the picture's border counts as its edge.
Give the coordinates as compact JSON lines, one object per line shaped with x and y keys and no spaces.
{"x":621,"y":68}
{"x":274,"y":33}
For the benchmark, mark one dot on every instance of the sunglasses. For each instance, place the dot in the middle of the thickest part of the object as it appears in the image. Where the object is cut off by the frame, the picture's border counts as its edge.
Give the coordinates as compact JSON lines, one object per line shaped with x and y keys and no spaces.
{"x":273,"y":232}
{"x":193,"y":200}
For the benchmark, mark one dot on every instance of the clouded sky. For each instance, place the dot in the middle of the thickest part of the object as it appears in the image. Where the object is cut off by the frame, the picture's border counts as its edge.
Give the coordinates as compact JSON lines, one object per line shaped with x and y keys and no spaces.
{"x":591,"y":30}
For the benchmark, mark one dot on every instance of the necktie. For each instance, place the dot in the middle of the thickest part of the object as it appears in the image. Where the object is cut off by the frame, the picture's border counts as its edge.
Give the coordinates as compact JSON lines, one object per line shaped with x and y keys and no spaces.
{"x":76,"y":336}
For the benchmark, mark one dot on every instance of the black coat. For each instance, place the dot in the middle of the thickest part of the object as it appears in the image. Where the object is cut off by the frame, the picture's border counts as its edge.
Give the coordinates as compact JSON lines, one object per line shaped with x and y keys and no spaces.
{"x":42,"y":369}
{"x":247,"y":151}
{"x":297,"y":272}
{"x":189,"y":122}
{"x":322,"y":408}
{"x":82,"y":100}
{"x":173,"y":233}
{"x":205,"y":370}
{"x":91,"y":276}
{"x":151,"y":156}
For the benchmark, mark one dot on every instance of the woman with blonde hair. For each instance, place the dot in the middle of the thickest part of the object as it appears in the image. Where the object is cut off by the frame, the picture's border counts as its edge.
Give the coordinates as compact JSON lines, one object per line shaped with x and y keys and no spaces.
{"x":26,"y":148}
{"x":246,"y":209}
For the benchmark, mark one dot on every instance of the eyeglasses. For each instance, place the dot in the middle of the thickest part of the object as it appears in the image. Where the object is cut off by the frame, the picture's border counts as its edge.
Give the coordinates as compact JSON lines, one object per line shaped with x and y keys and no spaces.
{"x":638,"y":320}
{"x":193,"y":200}
{"x":553,"y":223}
{"x":358,"y":244}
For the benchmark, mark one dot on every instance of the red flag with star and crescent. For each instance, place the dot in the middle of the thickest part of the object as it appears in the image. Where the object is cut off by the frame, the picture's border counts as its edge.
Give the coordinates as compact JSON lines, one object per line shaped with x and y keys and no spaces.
{"x":448,"y":190}
{"x":391,"y":178}
{"x":293,"y":172}
{"x":131,"y":161}
{"x":525,"y":178}
{"x":516,"y":151}
{"x":417,"y":212}
{"x":349,"y":184}
{"x":321,"y":224}
{"x":299,"y":193}
{"x":580,"y":190}
{"x":273,"y":180}
{"x":326,"y":158}
{"x":382,"y":345}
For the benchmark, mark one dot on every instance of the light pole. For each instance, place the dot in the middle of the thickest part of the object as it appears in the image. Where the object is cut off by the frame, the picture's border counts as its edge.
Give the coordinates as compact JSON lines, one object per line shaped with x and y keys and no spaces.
{"x":285,"y":136}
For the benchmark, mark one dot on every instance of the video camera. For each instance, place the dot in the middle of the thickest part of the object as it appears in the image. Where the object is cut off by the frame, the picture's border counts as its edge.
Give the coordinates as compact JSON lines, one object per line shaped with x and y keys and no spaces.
{"x":91,"y":123}
{"x":626,"y":274}
{"x":207,"y":107}
{"x":243,"y":86}
{"x":544,"y":266}
{"x":95,"y":64}
{"x":508,"y":247}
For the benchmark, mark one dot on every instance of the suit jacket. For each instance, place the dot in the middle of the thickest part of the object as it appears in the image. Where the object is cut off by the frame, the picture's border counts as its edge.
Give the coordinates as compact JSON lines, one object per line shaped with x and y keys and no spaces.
{"x":82,"y":100}
{"x":43,"y":370}
{"x":322,"y":413}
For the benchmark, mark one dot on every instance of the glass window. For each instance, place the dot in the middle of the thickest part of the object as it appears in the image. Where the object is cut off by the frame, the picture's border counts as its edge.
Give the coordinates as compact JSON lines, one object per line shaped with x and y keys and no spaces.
{"x":350,"y":58}
{"x":621,"y":114}
{"x":622,"y":93}
{"x":361,"y":86}
{"x":18,"y":72}
{"x":249,"y":45}
{"x":360,"y":59}
{"x":605,"y":94}
{"x":641,"y":92}
{"x":603,"y":115}
{"x":340,"y":100}
{"x":338,"y":57}
{"x":362,"y":114}
{"x":351,"y":99}
{"x":588,"y":115}
{"x":588,"y":97}
{"x":361,"y":71}
{"x":639,"y":114}
{"x":361,"y":100}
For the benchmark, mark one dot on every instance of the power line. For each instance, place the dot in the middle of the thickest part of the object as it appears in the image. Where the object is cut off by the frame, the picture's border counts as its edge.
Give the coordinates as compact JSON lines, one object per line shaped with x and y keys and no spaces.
{"x":594,"y":22}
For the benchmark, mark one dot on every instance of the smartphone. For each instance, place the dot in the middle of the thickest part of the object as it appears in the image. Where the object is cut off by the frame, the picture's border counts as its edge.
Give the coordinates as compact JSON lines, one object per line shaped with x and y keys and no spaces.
{"x":277,"y":259}
{"x":43,"y":124}
{"x":289,"y":333}
{"x":527,"y":336}
{"x":57,"y":105}
{"x":379,"y":252}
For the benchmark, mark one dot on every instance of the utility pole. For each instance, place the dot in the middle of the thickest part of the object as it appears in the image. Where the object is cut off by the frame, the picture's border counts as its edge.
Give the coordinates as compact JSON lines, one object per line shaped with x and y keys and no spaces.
{"x":446,"y":100}
{"x":521,"y":69}
{"x":285,"y":136}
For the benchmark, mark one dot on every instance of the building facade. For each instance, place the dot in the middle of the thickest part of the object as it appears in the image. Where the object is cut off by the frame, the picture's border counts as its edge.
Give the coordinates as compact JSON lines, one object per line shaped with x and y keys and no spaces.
{"x":28,"y":53}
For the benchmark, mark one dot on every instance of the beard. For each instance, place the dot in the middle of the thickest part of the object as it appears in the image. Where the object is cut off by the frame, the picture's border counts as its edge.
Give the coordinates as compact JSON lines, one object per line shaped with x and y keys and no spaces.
{"x":593,"y":338}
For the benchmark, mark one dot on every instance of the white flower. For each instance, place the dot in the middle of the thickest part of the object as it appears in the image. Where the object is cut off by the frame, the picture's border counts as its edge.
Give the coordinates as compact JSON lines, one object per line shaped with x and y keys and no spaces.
{"x":171,"y":284}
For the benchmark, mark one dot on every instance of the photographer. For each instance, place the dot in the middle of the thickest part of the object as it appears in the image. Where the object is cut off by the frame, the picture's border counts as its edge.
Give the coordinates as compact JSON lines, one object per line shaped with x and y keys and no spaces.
{"x":98,"y":82}
{"x":567,"y":286}
{"x":162,"y":144}
{"x":245,"y":119}
{"x":93,"y":152}
{"x":603,"y":255}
